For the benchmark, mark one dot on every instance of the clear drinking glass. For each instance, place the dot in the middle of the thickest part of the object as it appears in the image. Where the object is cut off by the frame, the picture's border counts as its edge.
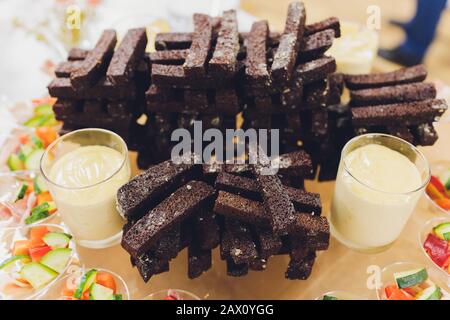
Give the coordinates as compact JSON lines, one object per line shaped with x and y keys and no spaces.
{"x":93,"y":164}
{"x":364,"y":218}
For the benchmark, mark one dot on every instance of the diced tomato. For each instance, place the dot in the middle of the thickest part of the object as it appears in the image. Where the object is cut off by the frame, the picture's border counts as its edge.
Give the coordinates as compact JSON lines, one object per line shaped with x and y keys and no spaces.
{"x":446,"y":263}
{"x":38,"y":252}
{"x":36,"y":235}
{"x":433,"y":192}
{"x":107,"y":280}
{"x":437,"y":249}
{"x":170,"y":298}
{"x":47,"y":135}
{"x":437,"y":183}
{"x":399,"y":294}
{"x":44,"y":197}
{"x":388,"y":290}
{"x":85,"y":295}
{"x":21,"y":247}
{"x":24,"y":138}
{"x":414,"y":290}
{"x":68,"y":292}
{"x":444,"y":203}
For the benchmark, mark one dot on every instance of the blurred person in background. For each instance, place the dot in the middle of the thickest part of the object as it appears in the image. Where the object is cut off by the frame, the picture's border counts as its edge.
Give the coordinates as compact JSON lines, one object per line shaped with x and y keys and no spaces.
{"x":420,"y":32}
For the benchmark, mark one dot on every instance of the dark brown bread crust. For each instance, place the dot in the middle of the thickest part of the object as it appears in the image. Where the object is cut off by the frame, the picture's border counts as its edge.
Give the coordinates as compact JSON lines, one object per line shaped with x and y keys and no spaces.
{"x":402,"y":76}
{"x":178,"y":206}
{"x":224,"y":58}
{"x":125,"y":60}
{"x":77,"y":54}
{"x":303,"y":201}
{"x":329,"y":23}
{"x":315,"y":70}
{"x":392,"y":94}
{"x":401,"y":132}
{"x":96,"y":62}
{"x":104,"y":89}
{"x":411,"y":113}
{"x":196,"y":60}
{"x":170,"y":57}
{"x":256,"y":63}
{"x":286,"y":53}
{"x":148,"y":189}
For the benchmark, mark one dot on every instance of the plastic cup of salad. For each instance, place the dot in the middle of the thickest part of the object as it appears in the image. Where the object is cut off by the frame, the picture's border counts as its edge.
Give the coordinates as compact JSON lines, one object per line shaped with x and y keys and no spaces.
{"x":438,"y":190}
{"x":410,"y":281}
{"x":89,"y":284}
{"x":434,"y":239}
{"x":339,"y":295}
{"x":32,"y":258}
{"x":172,"y":294}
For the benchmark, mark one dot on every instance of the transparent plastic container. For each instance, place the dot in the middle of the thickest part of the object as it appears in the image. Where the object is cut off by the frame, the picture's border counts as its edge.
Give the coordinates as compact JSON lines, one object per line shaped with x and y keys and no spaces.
{"x":423,"y":233}
{"x":436,"y":169}
{"x":10,"y":287}
{"x":72,"y":279}
{"x":387,"y":278}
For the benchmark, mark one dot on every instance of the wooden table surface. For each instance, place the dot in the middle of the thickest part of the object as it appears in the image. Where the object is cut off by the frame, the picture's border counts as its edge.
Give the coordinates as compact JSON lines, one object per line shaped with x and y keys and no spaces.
{"x":336,"y":269}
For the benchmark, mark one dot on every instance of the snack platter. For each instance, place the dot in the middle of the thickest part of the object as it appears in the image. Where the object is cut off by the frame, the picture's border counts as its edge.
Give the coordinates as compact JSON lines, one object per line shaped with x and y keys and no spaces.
{"x":227,"y":231}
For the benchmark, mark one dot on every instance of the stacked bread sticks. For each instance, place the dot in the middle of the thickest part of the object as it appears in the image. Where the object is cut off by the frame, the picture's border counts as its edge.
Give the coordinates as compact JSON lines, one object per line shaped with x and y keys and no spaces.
{"x":398,"y":103}
{"x":104,"y":87}
{"x":251,"y":216}
{"x":212,"y":74}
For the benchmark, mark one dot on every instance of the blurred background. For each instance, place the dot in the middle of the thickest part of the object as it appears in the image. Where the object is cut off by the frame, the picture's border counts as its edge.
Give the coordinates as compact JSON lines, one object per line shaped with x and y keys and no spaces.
{"x":35,"y":36}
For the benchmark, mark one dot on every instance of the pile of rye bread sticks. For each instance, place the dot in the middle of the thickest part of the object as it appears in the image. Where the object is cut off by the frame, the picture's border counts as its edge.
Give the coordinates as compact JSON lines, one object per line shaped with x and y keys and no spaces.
{"x":217,"y":74}
{"x":229,"y":79}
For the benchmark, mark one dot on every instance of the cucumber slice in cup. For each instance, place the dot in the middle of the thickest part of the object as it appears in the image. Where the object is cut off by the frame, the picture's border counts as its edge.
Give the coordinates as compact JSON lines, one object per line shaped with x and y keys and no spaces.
{"x":443,"y":231}
{"x":99,"y":292}
{"x":37,"y":274}
{"x":86,"y":281}
{"x":433,"y":292}
{"x":410,"y":278}
{"x":57,"y":239}
{"x":14,"y":163}
{"x":5,"y":265}
{"x":57,"y":259}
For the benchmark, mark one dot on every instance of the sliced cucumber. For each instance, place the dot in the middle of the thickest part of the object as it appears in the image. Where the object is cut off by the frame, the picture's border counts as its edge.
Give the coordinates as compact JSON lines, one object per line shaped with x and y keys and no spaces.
{"x":22,"y":191}
{"x":444,"y":177}
{"x":5,"y":265}
{"x":14,"y":163}
{"x":443,"y":230}
{"x":327,"y":297}
{"x":57,"y":239}
{"x":99,"y":292}
{"x":34,"y":159}
{"x":433,"y":292}
{"x":86,"y":281}
{"x":57,"y":259}
{"x":40,"y":185}
{"x":35,"y":217}
{"x":37,"y":274}
{"x":410,"y":278}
